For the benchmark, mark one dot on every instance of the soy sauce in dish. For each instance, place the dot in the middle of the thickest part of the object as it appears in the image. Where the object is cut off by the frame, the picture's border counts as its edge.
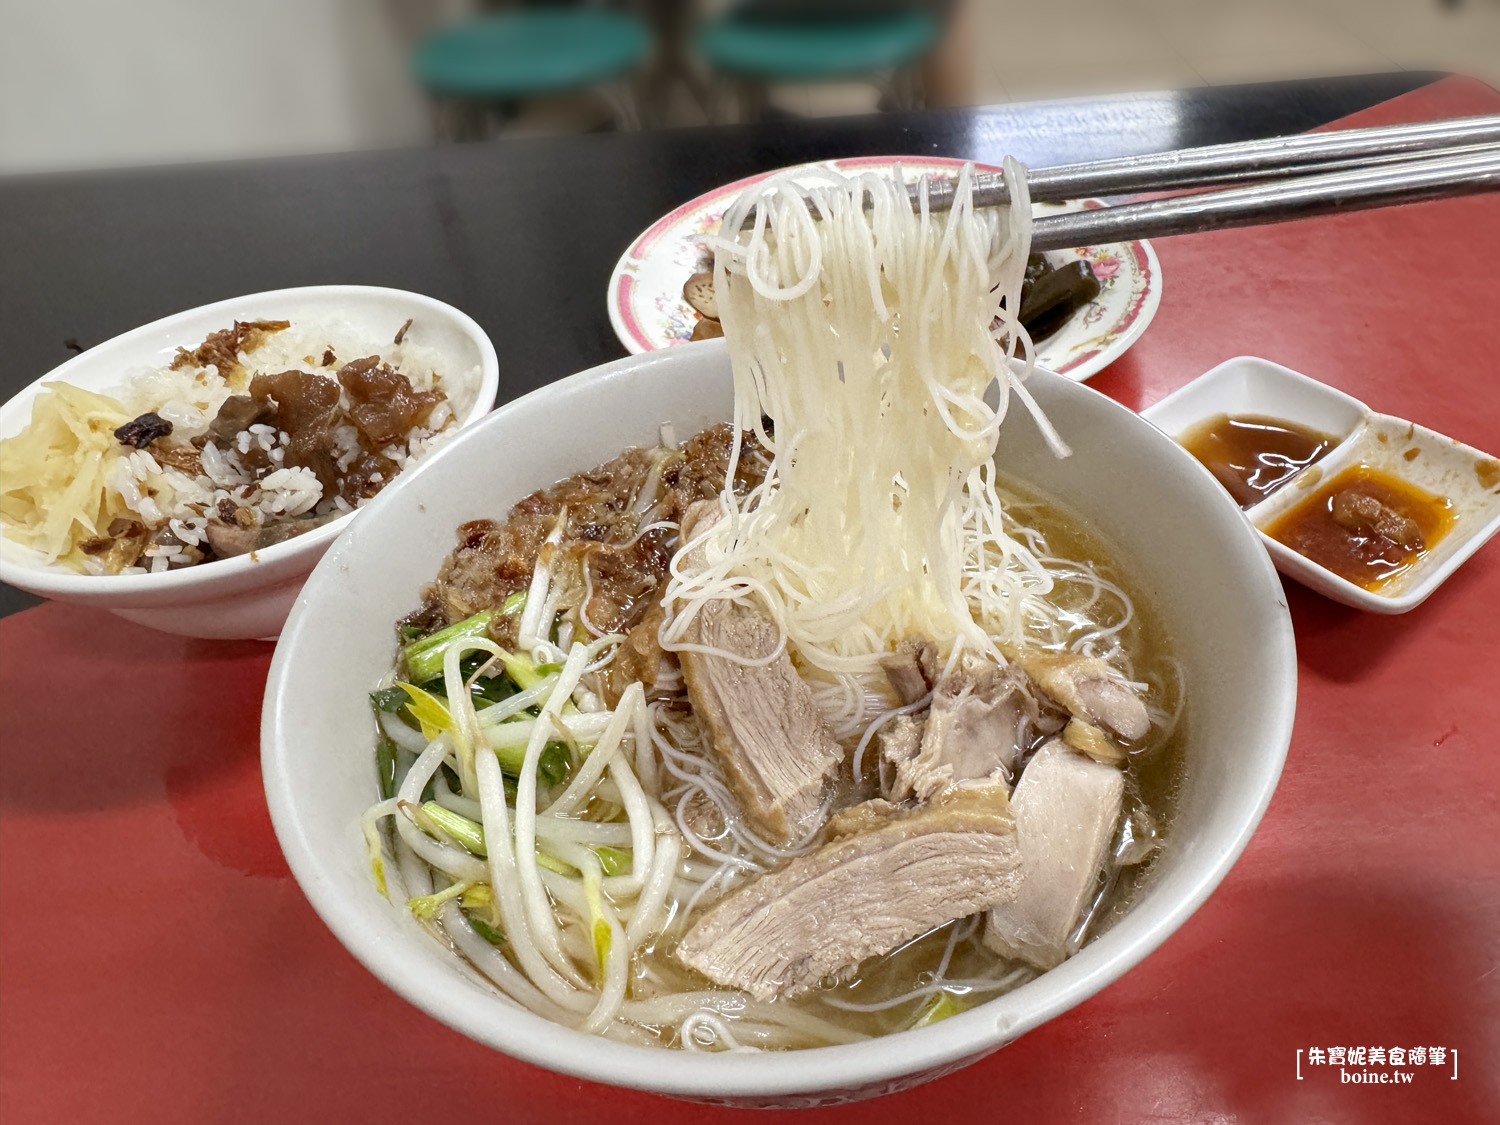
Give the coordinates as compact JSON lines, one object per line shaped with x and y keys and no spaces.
{"x":1252,"y":456}
{"x":1365,"y":525}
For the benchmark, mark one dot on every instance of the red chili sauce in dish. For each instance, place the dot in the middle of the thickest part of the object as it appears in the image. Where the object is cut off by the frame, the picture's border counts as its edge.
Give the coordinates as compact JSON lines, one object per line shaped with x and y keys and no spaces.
{"x":1365,"y":525}
{"x":1253,"y":456}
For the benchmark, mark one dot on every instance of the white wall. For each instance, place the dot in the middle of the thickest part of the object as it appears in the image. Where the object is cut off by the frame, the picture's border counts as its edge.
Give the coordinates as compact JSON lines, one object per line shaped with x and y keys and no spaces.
{"x":101,"y":83}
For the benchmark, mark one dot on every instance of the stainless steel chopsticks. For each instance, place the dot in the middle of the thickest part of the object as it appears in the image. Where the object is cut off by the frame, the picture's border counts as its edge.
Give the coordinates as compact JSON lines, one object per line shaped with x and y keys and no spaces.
{"x":1244,"y":162}
{"x":1300,"y":197}
{"x":1282,"y":178}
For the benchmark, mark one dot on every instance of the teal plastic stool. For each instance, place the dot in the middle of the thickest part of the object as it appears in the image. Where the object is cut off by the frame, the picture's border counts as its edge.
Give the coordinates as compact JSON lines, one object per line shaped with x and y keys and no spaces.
{"x":530,"y":52}
{"x":828,"y":48}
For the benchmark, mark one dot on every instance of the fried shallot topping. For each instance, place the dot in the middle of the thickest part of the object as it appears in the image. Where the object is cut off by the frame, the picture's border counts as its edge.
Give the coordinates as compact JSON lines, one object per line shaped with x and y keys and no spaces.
{"x":222,"y":349}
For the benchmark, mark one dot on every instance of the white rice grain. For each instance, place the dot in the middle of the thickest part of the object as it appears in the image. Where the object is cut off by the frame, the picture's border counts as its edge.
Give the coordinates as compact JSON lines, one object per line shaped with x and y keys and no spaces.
{"x":189,"y":398}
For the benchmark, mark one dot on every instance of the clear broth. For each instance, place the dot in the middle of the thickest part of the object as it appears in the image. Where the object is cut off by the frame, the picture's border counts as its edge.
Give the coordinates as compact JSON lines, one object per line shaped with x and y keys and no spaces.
{"x":1152,"y":782}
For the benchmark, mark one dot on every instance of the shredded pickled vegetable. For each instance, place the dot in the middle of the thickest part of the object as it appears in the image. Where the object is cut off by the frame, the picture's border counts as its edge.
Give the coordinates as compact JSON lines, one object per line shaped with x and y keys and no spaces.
{"x":56,"y":475}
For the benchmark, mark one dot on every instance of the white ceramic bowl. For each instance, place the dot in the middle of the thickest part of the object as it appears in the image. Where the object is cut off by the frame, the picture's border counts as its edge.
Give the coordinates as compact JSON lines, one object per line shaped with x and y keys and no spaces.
{"x":1190,"y":549}
{"x":244,"y":596}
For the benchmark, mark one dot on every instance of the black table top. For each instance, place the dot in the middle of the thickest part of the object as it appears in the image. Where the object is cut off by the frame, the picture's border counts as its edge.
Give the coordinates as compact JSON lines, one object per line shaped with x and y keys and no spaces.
{"x":521,"y":235}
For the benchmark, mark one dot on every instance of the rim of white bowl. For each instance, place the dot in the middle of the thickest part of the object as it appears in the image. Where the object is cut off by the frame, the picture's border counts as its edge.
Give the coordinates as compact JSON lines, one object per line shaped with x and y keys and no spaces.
{"x":861,"y":1069}
{"x":279,"y":559}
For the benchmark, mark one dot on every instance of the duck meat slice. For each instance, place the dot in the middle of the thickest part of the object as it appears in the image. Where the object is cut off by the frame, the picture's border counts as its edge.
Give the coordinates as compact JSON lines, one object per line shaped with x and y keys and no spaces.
{"x":1089,"y":688}
{"x":899,"y":741}
{"x":970,"y":731}
{"x":911,"y":669}
{"x":776,"y":749}
{"x":640,"y":659}
{"x":1066,"y":806}
{"x":895,"y":875}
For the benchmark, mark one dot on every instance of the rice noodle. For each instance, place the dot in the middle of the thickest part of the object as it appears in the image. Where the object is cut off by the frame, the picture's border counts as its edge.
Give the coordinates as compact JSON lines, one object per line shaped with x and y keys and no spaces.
{"x":873,"y":373}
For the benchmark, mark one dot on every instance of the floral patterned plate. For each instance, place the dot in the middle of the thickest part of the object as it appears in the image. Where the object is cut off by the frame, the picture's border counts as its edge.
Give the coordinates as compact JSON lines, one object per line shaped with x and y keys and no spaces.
{"x":648,"y":312}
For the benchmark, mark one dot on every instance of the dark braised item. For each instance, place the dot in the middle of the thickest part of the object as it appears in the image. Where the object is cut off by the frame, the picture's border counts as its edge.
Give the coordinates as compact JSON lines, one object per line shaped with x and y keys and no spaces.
{"x":602,"y":544}
{"x":1050,"y":295}
{"x":222,"y":349}
{"x":698,"y":292}
{"x":238,"y":412}
{"x":368,"y":475}
{"x":382,"y":403}
{"x":141,"y":432}
{"x":401,"y":332}
{"x":1048,"y":301}
{"x":1359,"y":512}
{"x":121,"y":547}
{"x":183,"y":458}
{"x":1365,"y":525}
{"x":232,"y":538}
{"x":427,"y":618}
{"x":307,"y":409}
{"x":625,"y":581}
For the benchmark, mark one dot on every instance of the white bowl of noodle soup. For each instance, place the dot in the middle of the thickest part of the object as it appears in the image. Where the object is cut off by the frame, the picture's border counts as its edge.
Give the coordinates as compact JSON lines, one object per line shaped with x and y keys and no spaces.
{"x":248,"y":595}
{"x":1185,"y":545}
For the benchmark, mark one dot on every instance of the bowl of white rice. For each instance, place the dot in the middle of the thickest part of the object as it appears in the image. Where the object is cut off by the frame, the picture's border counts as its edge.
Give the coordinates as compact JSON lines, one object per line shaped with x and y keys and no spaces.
{"x":189,"y":474}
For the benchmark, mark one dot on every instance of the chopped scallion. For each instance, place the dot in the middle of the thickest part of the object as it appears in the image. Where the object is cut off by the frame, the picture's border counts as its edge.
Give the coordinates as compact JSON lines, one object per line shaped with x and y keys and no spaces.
{"x":430,"y":711}
{"x":424,"y":658}
{"x":389,"y":700}
{"x":463,"y":830}
{"x":485,"y":930}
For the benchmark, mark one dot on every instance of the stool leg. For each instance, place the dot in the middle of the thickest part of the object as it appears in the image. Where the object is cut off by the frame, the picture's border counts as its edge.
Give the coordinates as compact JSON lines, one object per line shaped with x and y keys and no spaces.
{"x":456,"y":120}
{"x":753,"y":96}
{"x":906,"y":86}
{"x":620,"y":96}
{"x":720,"y":97}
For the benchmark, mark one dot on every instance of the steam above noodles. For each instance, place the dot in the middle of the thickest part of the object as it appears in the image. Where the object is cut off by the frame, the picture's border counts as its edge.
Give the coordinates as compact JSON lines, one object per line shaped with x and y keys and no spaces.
{"x":641,"y":730}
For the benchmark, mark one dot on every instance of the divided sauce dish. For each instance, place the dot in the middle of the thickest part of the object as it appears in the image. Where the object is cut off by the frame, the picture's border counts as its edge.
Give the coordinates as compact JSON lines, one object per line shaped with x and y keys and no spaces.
{"x":1428,"y":462}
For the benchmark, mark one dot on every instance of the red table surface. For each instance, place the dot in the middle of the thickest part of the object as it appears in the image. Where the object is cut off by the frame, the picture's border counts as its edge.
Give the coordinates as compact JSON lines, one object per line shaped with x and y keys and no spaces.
{"x":160,"y":964}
